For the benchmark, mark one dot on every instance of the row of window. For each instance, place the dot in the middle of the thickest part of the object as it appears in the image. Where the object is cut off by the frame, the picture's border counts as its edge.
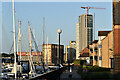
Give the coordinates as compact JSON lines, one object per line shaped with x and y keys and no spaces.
{"x":89,"y":35}
{"x":89,"y":21}
{"x":95,"y":49}
{"x":95,"y":58}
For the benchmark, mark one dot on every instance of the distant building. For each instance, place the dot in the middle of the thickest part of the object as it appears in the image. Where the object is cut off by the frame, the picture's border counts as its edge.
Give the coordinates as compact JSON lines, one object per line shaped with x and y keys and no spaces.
{"x":101,"y":35}
{"x":84,"y":32}
{"x":67,"y":54}
{"x":50,"y":53}
{"x":72,"y":50}
{"x":84,"y":56}
{"x":94,"y":53}
{"x":36,"y":56}
{"x":107,"y":50}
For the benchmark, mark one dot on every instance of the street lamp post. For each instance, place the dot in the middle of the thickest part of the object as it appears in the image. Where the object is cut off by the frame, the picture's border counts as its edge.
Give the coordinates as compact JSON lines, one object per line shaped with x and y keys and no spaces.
{"x":59,"y":32}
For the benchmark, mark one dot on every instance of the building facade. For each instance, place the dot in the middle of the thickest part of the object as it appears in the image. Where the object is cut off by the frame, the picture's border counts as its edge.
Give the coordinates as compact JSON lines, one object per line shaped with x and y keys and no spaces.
{"x":84,"y":32}
{"x":116,"y":33}
{"x":107,"y":50}
{"x":94,"y":53}
{"x":50,"y":54}
{"x":67,"y":54}
{"x":36,"y":56}
{"x":116,"y":48}
{"x":72,"y":50}
{"x":101,"y":36}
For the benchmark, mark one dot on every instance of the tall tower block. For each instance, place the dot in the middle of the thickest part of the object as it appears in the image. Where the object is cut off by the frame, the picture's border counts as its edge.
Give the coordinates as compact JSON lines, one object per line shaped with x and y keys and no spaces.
{"x":84,"y":32}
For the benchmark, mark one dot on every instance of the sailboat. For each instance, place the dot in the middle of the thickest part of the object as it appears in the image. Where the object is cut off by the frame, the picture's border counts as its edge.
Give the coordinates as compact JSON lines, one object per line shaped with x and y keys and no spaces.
{"x":14,"y":71}
{"x":16,"y":68}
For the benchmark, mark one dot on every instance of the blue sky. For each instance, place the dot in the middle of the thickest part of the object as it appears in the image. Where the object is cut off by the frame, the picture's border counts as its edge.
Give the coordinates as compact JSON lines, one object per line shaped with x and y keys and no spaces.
{"x":62,"y":15}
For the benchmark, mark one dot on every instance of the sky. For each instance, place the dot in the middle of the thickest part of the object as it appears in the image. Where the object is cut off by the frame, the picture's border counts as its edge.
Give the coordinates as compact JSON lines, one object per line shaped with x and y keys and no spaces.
{"x":63,"y":15}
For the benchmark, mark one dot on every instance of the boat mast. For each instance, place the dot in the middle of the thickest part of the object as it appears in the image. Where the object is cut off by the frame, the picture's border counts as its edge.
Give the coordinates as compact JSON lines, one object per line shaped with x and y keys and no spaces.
{"x":43,"y":43}
{"x":32,"y":68}
{"x":14,"y":39}
{"x":47,"y":54}
{"x":34,"y":45}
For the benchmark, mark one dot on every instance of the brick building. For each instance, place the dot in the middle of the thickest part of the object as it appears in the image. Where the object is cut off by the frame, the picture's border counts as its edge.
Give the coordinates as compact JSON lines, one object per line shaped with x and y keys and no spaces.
{"x":36,"y":56}
{"x":51,"y":55}
{"x":107,"y":50}
{"x":116,"y":33}
{"x":94,"y":53}
{"x":101,"y":36}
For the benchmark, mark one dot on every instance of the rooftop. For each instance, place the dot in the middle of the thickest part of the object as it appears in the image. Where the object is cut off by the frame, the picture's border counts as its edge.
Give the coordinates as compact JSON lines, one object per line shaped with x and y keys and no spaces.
{"x":84,"y":53}
{"x":95,"y":41}
{"x":103,"y":33}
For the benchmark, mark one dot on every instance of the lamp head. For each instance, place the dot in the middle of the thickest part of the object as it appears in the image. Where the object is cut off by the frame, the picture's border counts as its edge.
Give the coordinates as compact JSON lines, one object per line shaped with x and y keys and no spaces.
{"x":59,"y":31}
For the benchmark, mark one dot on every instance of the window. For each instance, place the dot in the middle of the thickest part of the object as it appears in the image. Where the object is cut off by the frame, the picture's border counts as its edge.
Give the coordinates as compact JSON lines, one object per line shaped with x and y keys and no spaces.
{"x":95,"y":49}
{"x":91,"y":57}
{"x":95,"y":57}
{"x":85,"y":20}
{"x":100,"y":58}
{"x":112,"y":63}
{"x":91,"y":50}
{"x":100,"y":46}
{"x":90,"y":21}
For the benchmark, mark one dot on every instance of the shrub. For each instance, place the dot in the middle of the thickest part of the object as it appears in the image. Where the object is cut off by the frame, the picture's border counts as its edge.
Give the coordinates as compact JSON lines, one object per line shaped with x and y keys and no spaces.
{"x":76,"y":61}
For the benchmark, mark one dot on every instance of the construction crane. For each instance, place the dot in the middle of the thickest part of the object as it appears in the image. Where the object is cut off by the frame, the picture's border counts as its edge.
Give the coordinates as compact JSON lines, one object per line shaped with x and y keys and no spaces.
{"x":91,"y":8}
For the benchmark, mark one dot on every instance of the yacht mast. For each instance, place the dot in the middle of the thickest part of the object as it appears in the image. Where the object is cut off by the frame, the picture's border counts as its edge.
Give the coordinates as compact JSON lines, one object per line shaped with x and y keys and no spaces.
{"x":14,"y":39}
{"x":19,"y":43}
{"x":47,"y":54}
{"x":32,"y":68}
{"x":43,"y":43}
